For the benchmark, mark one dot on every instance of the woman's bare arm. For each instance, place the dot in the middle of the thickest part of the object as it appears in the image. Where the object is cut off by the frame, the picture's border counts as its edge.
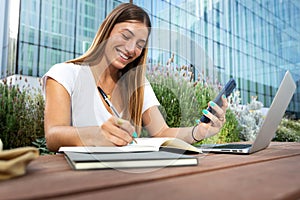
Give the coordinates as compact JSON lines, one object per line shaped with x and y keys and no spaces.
{"x":157,"y":127}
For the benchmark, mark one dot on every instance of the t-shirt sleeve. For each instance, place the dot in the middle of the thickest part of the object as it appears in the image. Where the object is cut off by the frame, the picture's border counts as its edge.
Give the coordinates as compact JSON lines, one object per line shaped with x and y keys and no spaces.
{"x":64,"y":74}
{"x":149,"y":97}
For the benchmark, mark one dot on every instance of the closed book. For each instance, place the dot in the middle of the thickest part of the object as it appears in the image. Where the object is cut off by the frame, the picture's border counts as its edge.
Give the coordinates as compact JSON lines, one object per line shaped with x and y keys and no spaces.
{"x":81,"y":161}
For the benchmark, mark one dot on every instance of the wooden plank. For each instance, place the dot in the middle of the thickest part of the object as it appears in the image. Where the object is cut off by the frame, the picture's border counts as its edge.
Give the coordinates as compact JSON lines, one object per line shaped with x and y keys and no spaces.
{"x":276,"y":179}
{"x":48,"y":164}
{"x":51,"y":176}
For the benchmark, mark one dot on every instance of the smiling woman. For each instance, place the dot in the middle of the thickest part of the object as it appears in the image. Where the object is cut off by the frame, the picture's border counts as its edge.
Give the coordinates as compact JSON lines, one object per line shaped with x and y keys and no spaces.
{"x":119,"y":48}
{"x":75,"y":112}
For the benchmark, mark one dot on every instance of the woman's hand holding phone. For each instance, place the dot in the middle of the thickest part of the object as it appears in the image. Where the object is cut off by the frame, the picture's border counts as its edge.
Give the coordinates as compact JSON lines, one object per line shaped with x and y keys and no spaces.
{"x":224,"y":93}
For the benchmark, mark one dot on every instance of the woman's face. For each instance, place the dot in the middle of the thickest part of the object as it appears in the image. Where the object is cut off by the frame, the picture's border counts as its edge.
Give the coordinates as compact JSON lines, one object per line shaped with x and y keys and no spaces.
{"x":125,"y":44}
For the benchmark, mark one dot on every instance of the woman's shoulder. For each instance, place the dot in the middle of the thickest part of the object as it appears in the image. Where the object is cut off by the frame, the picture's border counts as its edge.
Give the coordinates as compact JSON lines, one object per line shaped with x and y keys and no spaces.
{"x":67,"y":67}
{"x":66,"y":70}
{"x":65,"y":74}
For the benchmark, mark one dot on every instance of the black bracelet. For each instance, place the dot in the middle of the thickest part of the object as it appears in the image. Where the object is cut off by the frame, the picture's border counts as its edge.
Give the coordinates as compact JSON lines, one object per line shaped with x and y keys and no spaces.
{"x":193,"y":133}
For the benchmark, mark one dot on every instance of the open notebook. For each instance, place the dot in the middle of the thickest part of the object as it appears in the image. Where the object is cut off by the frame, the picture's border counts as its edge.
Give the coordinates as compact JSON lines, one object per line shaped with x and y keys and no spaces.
{"x":269,"y":126}
{"x":143,"y":145}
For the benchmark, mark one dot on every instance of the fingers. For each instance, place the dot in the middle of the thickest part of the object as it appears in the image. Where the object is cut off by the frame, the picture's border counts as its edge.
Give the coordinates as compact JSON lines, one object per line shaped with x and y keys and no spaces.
{"x":219,"y":110}
{"x":214,"y":120}
{"x":118,"y":131}
{"x":123,"y":124}
{"x":218,"y":119}
{"x":224,"y":103}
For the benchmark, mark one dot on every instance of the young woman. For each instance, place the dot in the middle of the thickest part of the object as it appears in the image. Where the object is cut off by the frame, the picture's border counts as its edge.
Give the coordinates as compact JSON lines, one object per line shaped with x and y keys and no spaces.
{"x":77,"y":114}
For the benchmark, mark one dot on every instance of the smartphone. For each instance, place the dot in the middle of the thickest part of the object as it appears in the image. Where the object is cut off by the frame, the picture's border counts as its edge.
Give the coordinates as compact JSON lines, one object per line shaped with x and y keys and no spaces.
{"x":226,"y":90}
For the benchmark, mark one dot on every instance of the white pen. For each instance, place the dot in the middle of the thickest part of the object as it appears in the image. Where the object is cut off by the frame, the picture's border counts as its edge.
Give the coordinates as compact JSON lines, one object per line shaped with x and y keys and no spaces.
{"x":114,"y":110}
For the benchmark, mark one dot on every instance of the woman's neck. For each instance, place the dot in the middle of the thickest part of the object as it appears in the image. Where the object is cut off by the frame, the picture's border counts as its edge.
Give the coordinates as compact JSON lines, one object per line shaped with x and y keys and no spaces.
{"x":105,"y":77}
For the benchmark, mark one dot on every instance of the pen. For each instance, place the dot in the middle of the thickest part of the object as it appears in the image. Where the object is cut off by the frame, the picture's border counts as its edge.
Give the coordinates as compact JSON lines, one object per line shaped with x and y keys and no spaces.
{"x":114,"y":110}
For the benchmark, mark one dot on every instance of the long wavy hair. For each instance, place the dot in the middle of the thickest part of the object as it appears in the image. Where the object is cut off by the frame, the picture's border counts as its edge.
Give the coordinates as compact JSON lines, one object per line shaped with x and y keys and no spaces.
{"x":133,"y":75}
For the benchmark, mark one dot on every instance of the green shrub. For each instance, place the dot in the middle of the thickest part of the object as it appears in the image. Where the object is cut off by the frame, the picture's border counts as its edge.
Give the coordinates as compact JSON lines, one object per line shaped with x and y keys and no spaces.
{"x":204,"y":94}
{"x":169,"y":107}
{"x":40,"y":143}
{"x":230,"y":132}
{"x":178,"y":103}
{"x":288,"y":131}
{"x":250,"y":119}
{"x":21,"y":115}
{"x":182,"y":103}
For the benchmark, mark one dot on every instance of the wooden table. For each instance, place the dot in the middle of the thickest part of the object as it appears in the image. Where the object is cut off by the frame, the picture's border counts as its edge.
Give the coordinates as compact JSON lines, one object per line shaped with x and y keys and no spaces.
{"x":273,"y":173}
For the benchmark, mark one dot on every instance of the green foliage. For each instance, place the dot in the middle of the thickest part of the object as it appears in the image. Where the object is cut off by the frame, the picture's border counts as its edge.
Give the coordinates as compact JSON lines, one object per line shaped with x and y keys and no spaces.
{"x":170,"y":107}
{"x":230,"y":132}
{"x":182,"y":103}
{"x":288,"y":131}
{"x":204,"y":94}
{"x":177,"y":98}
{"x":40,"y":143}
{"x":21,"y":115}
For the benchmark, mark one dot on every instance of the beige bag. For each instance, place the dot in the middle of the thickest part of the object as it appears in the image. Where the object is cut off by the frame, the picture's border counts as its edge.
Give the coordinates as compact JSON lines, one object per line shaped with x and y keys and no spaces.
{"x":13,"y":162}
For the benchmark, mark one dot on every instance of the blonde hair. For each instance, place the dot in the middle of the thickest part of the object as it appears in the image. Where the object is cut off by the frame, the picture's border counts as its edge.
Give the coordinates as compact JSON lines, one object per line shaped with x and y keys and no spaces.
{"x":132,"y":91}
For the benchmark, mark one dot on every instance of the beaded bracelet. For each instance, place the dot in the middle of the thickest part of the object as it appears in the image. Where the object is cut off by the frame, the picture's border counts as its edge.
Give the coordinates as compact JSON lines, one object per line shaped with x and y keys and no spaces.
{"x":193,"y":133}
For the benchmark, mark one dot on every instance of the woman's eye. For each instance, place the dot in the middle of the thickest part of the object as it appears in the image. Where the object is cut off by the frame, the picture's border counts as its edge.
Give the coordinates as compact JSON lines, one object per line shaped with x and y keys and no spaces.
{"x":139,"y":46}
{"x":125,"y":36}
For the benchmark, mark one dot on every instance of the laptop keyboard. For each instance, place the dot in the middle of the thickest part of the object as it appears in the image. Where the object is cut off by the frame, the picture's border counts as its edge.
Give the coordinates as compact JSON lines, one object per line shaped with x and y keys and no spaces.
{"x":232,"y":146}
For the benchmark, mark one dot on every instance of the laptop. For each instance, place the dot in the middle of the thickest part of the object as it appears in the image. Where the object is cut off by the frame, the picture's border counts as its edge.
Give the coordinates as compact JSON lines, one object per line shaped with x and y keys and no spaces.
{"x":269,"y":125}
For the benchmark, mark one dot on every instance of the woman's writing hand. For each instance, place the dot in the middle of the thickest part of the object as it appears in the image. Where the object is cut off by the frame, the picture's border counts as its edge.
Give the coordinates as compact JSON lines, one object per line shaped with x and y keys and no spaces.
{"x":118,"y":131}
{"x":217,"y":120}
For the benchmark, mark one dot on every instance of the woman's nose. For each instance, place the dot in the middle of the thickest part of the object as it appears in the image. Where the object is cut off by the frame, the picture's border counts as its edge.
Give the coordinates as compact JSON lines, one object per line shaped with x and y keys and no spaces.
{"x":130,"y":47}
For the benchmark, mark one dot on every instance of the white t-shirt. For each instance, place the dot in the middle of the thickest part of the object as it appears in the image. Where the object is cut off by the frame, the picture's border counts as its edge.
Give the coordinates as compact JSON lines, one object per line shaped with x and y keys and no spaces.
{"x":87,"y":108}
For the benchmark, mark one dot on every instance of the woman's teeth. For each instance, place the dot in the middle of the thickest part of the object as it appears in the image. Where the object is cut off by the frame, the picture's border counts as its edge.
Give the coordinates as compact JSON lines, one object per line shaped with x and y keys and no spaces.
{"x":123,"y":56}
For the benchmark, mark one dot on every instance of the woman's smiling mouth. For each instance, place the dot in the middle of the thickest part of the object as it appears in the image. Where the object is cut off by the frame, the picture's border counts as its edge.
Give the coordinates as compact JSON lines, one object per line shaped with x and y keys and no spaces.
{"x":123,"y":55}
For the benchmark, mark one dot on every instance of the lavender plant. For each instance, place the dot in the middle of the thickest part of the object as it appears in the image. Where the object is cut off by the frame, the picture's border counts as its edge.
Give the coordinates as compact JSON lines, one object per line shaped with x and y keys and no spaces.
{"x":21,"y":114}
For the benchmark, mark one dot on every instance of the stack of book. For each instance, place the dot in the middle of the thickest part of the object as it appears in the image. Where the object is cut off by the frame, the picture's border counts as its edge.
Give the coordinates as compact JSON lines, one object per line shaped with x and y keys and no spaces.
{"x":147,"y":152}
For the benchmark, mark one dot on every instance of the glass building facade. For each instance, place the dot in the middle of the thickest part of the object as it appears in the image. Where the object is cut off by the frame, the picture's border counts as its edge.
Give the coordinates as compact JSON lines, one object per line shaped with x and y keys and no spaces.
{"x":254,"y":41}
